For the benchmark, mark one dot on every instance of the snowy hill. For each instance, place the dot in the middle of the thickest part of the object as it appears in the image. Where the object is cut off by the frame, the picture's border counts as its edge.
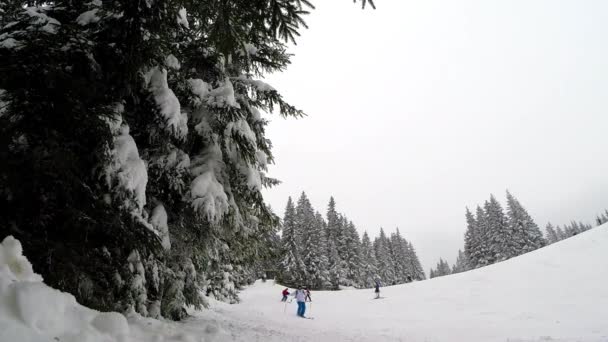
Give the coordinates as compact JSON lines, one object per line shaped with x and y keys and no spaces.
{"x":557,"y":293}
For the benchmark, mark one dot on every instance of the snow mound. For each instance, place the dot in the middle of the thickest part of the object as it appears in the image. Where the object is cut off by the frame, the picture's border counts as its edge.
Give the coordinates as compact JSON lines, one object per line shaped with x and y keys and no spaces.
{"x":32,"y":311}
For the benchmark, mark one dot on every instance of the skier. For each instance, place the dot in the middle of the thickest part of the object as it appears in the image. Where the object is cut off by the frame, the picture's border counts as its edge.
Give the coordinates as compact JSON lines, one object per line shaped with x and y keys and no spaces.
{"x":285,"y":293}
{"x":301,"y":299}
{"x":308,"y":299}
{"x":377,"y":289}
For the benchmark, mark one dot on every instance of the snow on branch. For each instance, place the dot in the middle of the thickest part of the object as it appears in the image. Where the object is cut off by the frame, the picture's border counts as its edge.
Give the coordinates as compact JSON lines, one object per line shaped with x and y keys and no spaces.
{"x":209,"y":197}
{"x":169,"y":107}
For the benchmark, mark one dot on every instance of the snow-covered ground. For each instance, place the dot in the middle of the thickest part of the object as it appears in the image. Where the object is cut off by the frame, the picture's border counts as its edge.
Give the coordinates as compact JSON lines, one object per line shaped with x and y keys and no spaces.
{"x":557,"y":293}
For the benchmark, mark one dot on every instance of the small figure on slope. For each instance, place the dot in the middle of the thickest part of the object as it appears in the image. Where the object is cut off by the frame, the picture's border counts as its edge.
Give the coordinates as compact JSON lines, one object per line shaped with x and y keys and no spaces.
{"x":377,"y":289}
{"x":300,"y":295}
{"x":285,"y":293}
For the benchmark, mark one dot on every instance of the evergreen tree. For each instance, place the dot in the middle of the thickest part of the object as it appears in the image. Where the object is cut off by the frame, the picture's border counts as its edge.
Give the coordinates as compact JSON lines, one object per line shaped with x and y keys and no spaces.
{"x":472,"y":241}
{"x":560,"y":233}
{"x":416,"y":271}
{"x":310,"y":232}
{"x":342,"y":244}
{"x":368,"y":262}
{"x":334,"y":235}
{"x":322,"y":248}
{"x":525,"y":236}
{"x":292,"y":267}
{"x":443,"y":268}
{"x":398,"y":247}
{"x":484,"y":254}
{"x":333,"y":267}
{"x":551,"y":234}
{"x":352,"y":255}
{"x":112,"y":112}
{"x":461,"y":264}
{"x":499,"y":241}
{"x":602,"y":218}
{"x":383,"y":257}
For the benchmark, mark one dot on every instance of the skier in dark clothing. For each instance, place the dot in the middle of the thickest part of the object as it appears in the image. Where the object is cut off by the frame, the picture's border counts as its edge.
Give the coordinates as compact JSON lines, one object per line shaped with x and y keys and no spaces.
{"x":377,"y":289}
{"x":285,"y":293}
{"x":308,"y":299}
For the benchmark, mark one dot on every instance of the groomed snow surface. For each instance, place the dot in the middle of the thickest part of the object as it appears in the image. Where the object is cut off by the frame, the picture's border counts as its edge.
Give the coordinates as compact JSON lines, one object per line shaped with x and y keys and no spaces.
{"x":557,"y":293}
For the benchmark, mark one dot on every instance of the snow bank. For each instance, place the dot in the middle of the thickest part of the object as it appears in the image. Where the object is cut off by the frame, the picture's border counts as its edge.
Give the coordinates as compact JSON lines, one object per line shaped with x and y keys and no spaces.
{"x":30,"y":311}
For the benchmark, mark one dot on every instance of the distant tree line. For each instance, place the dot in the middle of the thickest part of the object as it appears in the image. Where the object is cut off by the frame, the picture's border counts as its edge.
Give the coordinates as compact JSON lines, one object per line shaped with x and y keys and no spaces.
{"x":493,"y":236}
{"x":327,"y":253}
{"x":555,"y":234}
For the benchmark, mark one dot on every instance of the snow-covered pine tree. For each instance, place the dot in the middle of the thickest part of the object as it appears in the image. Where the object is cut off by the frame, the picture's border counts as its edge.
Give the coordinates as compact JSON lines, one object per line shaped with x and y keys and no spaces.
{"x":116,"y":108}
{"x":443,"y":268}
{"x":483,"y":254}
{"x":602,"y":218}
{"x":322,"y":250}
{"x":551,"y":234}
{"x":342,"y":244}
{"x":472,"y":241}
{"x":333,"y":265}
{"x":461,"y":264}
{"x":353,"y":255}
{"x":571,"y":229}
{"x":399,"y":257}
{"x":368,"y":262}
{"x":560,"y":233}
{"x":499,"y":235}
{"x":417,"y":273}
{"x":291,"y":270}
{"x":334,"y":235}
{"x":383,"y":257}
{"x":310,"y":232}
{"x":524,"y":234}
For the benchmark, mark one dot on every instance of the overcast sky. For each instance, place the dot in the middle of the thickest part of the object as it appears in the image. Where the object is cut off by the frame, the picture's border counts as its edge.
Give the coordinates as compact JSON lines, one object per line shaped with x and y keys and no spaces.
{"x":421,"y":108}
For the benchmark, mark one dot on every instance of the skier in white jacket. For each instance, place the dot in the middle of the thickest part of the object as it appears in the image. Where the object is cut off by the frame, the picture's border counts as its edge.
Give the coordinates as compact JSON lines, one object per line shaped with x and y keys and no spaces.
{"x":300,"y":295}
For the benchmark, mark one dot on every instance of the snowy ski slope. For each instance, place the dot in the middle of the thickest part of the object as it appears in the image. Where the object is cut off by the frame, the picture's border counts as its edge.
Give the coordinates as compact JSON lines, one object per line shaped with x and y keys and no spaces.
{"x":557,"y":293}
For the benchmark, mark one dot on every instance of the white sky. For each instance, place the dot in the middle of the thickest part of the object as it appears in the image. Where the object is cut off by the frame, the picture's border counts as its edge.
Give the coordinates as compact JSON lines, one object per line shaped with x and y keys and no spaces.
{"x":420,"y":108}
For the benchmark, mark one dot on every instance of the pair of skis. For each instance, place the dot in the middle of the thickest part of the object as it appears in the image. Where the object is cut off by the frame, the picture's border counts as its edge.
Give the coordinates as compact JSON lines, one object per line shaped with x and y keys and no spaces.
{"x":285,"y":309}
